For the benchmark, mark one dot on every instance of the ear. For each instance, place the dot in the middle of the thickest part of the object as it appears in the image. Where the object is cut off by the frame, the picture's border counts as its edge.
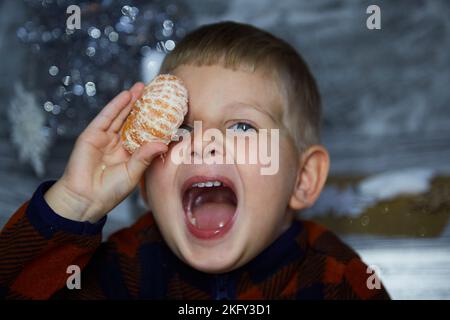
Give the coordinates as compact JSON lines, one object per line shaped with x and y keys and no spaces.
{"x":311,"y":177}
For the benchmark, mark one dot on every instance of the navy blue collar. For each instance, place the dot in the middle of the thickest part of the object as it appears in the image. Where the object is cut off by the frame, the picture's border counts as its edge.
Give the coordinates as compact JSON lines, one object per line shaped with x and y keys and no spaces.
{"x":283,"y":251}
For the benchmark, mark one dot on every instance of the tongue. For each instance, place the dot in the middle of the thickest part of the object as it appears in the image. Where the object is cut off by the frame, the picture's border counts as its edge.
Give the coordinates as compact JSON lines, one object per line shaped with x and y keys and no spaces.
{"x":212,"y":215}
{"x":213,"y":208}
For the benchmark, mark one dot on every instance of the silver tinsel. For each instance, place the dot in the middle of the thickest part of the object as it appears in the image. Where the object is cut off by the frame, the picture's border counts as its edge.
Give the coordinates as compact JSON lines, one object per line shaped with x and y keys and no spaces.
{"x":73,"y":73}
{"x":28,"y":131}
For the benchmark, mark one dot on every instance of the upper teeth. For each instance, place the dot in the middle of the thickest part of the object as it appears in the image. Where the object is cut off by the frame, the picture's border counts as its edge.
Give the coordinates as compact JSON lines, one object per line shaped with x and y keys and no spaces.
{"x":207,"y":184}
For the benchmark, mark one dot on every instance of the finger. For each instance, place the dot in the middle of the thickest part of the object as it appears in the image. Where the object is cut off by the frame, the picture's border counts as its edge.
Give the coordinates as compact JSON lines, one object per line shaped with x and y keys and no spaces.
{"x":119,"y":121}
{"x":142,"y":158}
{"x":136,"y":92}
{"x":105,"y":118}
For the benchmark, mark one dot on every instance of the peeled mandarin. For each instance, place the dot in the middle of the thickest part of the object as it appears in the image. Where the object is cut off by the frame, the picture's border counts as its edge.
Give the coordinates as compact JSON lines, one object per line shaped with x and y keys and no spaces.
{"x":158,"y":114}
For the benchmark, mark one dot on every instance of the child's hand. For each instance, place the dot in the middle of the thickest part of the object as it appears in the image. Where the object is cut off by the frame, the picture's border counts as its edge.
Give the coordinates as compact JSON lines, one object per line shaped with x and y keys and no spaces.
{"x":100,"y":173}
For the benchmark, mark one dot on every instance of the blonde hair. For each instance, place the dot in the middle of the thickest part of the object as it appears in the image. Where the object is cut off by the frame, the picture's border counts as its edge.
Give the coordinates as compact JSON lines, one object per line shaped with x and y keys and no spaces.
{"x":236,"y":45}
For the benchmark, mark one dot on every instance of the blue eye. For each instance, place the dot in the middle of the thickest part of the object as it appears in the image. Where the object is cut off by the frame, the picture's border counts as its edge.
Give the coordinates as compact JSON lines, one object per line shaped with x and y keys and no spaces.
{"x":242,"y":126}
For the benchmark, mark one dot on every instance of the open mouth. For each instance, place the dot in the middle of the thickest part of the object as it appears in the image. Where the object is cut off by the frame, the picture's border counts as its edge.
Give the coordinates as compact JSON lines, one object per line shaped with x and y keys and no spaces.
{"x":209,"y":205}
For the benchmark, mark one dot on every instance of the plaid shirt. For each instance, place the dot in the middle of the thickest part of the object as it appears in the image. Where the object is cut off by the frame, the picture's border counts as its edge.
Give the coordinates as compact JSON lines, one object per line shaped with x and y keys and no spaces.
{"x":37,"y":246}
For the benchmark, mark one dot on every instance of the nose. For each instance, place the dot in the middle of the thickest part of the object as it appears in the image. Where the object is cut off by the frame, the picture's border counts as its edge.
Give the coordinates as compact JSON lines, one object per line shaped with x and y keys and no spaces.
{"x":208,"y":143}
{"x":211,"y":153}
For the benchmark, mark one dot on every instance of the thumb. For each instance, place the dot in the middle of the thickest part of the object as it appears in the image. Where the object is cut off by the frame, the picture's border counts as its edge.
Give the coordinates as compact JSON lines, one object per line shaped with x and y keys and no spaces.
{"x":143,"y":157}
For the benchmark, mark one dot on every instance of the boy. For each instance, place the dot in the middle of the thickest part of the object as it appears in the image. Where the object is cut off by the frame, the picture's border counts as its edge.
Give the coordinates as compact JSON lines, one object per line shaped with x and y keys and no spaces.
{"x":215,"y":231}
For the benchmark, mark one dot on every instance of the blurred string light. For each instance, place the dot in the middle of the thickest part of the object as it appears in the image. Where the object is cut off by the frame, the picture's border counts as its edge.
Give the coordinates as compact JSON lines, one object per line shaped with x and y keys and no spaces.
{"x":76,"y":72}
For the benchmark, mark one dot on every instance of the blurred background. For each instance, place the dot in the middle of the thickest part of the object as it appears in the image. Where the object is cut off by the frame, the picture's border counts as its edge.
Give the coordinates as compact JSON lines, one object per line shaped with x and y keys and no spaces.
{"x":385,"y":97}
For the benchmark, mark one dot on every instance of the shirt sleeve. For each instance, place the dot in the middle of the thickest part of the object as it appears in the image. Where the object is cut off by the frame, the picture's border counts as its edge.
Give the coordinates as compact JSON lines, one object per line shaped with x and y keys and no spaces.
{"x":38,"y":248}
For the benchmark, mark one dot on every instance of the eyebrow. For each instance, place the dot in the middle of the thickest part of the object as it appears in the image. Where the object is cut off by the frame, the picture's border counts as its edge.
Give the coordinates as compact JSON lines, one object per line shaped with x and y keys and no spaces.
{"x":252,"y":106}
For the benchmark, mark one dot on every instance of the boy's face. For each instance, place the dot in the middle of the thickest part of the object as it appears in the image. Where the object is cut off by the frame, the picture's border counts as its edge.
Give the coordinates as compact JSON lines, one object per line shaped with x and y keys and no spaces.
{"x":238,"y":218}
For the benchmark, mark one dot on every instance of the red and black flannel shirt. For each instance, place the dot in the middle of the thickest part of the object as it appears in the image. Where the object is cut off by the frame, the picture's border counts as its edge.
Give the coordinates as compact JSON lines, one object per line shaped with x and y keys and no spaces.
{"x":37,"y":246}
